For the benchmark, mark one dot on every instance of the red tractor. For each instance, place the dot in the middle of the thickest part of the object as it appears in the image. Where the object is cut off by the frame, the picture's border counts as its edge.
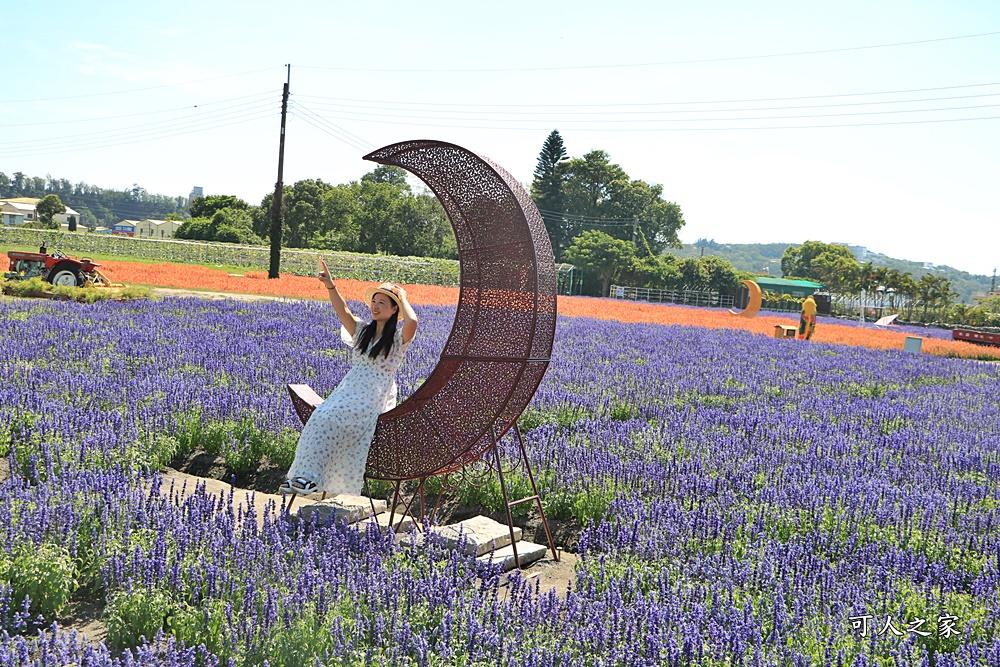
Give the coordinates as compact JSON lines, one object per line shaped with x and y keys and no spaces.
{"x":56,"y":268}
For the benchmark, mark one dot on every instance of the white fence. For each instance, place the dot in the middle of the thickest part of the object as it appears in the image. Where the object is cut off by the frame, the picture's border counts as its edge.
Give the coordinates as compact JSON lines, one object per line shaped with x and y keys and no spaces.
{"x":681,"y":296}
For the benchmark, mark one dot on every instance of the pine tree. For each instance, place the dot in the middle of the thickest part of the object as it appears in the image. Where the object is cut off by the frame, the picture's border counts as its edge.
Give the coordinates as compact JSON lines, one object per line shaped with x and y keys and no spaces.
{"x":547,"y":191}
{"x":553,"y":152}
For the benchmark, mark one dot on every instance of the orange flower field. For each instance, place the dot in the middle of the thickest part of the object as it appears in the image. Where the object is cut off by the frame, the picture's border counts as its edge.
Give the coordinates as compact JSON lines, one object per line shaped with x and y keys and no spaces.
{"x":256,"y":282}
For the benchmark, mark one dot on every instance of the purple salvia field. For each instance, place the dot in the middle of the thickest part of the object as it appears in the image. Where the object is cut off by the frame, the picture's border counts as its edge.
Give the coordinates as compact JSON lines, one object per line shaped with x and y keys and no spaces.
{"x":748,"y":501}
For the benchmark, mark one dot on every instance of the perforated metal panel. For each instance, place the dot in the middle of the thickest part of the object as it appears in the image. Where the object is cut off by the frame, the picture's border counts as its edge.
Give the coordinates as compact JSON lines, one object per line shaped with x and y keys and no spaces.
{"x":501,"y":341}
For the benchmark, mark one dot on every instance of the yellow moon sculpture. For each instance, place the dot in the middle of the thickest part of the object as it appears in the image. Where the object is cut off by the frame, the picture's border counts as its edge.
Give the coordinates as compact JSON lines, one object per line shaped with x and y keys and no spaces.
{"x":753,"y":305}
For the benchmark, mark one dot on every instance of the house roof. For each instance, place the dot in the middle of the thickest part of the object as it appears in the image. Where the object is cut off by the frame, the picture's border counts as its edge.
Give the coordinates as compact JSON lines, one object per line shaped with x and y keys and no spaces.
{"x":786,"y":282}
{"x":10,"y":208}
{"x":19,"y":205}
{"x":30,"y":204}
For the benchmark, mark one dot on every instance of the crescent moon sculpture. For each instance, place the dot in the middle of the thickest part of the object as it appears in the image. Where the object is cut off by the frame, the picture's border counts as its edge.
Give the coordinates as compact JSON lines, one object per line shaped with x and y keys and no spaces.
{"x":753,"y":305}
{"x":501,"y":339}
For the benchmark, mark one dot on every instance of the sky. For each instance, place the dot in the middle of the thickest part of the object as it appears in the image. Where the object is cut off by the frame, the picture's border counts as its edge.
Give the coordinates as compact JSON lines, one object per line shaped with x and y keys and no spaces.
{"x":874,"y":124}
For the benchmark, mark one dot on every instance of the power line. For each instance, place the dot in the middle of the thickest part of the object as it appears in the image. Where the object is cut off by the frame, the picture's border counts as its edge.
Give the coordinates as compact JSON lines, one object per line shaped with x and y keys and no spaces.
{"x":629,"y":104}
{"x":568,"y":121}
{"x":665,"y":129}
{"x":658,"y":64}
{"x":141,"y":113}
{"x":179,"y":121}
{"x":326,"y":131}
{"x":115,"y":142}
{"x":548,"y":212}
{"x":346,"y":108}
{"x":136,"y":90}
{"x":337,"y":131}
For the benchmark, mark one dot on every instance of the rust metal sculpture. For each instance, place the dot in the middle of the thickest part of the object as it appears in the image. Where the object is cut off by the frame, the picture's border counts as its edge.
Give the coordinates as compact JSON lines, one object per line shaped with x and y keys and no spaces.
{"x":501,"y":339}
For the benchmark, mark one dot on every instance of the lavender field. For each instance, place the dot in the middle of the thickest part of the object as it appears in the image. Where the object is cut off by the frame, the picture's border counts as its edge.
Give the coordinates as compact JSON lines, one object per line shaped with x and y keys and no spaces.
{"x":746,"y":501}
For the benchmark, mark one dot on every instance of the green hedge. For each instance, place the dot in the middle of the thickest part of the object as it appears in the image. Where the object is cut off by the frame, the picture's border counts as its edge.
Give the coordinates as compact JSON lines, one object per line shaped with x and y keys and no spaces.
{"x":376,"y":268}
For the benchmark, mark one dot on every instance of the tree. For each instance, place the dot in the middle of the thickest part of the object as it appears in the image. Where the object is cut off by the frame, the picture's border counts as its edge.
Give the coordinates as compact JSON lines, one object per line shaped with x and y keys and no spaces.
{"x":594,"y":193}
{"x":836,"y":271}
{"x":654,"y":271}
{"x":722,"y":276}
{"x":227,"y":225}
{"x":47,"y":208}
{"x":694,"y":274}
{"x":798,"y":262}
{"x":596,"y":251}
{"x":934,"y":292}
{"x":547,"y":190}
{"x":72,"y":223}
{"x":206,"y":207}
{"x":377,"y":214}
{"x":991,"y":304}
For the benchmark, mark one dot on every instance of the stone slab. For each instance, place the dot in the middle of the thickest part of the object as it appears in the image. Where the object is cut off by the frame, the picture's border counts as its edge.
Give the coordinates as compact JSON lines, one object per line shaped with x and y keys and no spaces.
{"x":403,"y":524}
{"x":527,"y":552}
{"x":340,"y":507}
{"x":477,"y":536}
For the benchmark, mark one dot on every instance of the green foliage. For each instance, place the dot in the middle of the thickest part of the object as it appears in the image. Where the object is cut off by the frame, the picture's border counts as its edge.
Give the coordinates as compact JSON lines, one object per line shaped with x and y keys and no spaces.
{"x":596,"y":251}
{"x":578,"y":194}
{"x":207,"y":207}
{"x":86,"y":294}
{"x":29,"y":287}
{"x":143,"y":612}
{"x":596,"y":188}
{"x":225,"y":225}
{"x":47,"y":208}
{"x":547,"y":191}
{"x":98,"y":205}
{"x":586,"y":506}
{"x":797,"y":262}
{"x":242,"y":443}
{"x":378,"y":214}
{"x":654,"y":271}
{"x":46,"y":574}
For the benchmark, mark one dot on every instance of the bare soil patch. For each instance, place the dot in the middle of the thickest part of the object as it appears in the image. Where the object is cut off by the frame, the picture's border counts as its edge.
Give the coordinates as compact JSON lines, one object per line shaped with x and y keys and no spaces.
{"x":84,"y":616}
{"x":214,"y":296}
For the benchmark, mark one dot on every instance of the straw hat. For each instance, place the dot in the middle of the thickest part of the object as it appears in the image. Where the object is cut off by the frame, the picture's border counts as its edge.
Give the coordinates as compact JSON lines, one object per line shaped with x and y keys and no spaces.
{"x":390,"y":290}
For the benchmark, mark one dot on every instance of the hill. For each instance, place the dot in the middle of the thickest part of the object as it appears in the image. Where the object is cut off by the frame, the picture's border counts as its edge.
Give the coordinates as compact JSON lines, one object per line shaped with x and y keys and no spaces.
{"x":766,"y":257}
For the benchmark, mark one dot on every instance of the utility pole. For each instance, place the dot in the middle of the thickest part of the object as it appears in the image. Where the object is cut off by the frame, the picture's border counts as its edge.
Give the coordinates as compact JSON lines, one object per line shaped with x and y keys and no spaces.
{"x":276,"y":218}
{"x":635,"y":227}
{"x":993,"y":283}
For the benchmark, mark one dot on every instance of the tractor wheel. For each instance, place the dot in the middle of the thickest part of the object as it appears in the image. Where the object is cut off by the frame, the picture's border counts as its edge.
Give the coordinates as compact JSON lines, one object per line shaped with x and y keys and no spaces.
{"x":68,"y":276}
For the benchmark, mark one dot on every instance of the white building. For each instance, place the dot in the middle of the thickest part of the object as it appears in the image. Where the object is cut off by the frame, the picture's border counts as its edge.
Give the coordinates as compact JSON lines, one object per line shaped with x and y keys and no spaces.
{"x":28,"y":206}
{"x":156,"y":229}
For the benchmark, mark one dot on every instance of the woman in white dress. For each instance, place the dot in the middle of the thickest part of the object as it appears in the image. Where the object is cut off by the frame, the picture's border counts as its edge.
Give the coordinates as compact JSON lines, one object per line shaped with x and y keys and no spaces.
{"x":333,"y":448}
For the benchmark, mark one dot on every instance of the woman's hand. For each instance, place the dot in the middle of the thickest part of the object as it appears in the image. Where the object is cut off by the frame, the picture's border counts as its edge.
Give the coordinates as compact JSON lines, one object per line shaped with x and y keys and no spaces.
{"x":324,"y":275}
{"x":402,"y":292}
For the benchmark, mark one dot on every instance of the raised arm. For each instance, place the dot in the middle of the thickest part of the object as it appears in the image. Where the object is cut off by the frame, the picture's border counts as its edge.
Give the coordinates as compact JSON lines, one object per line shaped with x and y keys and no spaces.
{"x":343,"y":312}
{"x":409,"y":316}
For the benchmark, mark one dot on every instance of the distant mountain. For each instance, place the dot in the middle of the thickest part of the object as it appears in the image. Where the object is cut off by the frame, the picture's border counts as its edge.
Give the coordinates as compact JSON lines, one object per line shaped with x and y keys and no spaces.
{"x":766,"y":258}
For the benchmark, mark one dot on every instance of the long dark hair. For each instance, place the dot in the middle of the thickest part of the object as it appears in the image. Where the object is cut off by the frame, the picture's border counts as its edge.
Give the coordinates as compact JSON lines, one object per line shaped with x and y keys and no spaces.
{"x":384,"y":344}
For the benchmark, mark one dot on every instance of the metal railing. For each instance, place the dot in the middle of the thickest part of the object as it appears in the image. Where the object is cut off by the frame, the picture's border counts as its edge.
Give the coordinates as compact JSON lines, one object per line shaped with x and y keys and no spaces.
{"x":677,"y":296}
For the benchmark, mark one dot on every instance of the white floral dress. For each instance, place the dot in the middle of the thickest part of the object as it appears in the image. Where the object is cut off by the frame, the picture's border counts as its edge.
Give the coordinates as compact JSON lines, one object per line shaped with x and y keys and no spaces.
{"x":333,"y":448}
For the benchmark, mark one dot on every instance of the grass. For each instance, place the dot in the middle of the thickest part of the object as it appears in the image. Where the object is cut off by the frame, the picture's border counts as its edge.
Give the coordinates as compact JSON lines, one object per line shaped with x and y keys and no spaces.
{"x":104,"y":257}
